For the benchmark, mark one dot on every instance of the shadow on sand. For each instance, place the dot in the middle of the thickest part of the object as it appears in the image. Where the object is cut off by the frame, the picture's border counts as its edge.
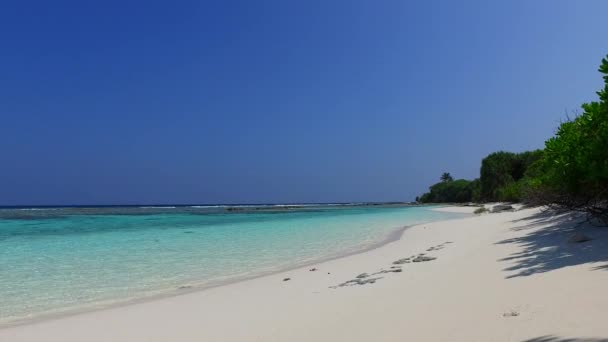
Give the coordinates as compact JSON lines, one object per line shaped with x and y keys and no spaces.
{"x":545,"y":246}
{"x":550,"y":338}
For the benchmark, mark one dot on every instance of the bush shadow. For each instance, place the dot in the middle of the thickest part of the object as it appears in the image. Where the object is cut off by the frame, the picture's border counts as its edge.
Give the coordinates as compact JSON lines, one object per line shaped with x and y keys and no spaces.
{"x":545,"y":246}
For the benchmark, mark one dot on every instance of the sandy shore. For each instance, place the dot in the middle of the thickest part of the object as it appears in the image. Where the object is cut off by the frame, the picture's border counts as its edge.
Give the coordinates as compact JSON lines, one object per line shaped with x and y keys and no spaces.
{"x":496,"y":277}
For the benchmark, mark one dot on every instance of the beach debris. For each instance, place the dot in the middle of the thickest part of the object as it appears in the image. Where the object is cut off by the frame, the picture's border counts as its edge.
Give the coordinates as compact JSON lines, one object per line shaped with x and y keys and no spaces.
{"x":423,"y":258}
{"x":399,"y":267}
{"x":392,"y":270}
{"x":402,"y":261}
{"x":183,"y":287}
{"x":367,"y":281}
{"x":286,"y":279}
{"x":578,"y":238}
{"x":354,"y":282}
{"x":420,"y":257}
{"x":438,"y":247}
{"x":511,"y":313}
{"x":328,"y":273}
{"x":480,"y":210}
{"x":313,"y":269}
{"x":501,"y":207}
{"x":362,"y":275}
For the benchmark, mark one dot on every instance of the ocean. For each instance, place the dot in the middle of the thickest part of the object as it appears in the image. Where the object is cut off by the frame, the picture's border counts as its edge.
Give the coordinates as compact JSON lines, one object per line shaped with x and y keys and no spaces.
{"x":61,"y":260}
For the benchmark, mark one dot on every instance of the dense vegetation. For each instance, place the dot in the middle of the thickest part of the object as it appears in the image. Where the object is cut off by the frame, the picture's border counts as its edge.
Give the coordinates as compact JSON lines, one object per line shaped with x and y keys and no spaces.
{"x":571,"y":172}
{"x":450,"y":190}
{"x":504,"y":175}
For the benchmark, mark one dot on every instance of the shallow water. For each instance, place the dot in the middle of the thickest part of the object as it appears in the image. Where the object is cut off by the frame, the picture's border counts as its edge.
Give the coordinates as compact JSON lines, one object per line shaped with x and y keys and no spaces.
{"x":54,"y":260}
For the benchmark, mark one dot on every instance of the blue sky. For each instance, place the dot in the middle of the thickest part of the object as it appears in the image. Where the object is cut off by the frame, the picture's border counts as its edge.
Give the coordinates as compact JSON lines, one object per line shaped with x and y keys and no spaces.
{"x":279,"y":101}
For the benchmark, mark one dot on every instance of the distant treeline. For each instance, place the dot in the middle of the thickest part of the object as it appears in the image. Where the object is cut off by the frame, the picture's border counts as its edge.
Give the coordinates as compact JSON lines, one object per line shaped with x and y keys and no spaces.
{"x":571,"y":172}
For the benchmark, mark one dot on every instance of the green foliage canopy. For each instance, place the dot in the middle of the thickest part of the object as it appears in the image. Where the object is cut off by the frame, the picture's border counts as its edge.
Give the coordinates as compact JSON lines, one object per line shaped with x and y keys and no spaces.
{"x":450,"y":191}
{"x":446,"y":177}
{"x":575,"y":164}
{"x":571,"y":172}
{"x":503,"y":174}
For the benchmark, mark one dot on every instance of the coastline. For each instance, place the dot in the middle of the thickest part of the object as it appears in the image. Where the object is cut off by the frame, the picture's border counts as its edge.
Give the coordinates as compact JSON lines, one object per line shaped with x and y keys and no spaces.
{"x":396,"y":307}
{"x":394,"y":234}
{"x":187,"y":289}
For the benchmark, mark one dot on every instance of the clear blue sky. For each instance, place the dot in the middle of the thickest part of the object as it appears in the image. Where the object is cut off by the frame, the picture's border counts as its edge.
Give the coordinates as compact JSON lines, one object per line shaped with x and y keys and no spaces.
{"x":279,"y":101}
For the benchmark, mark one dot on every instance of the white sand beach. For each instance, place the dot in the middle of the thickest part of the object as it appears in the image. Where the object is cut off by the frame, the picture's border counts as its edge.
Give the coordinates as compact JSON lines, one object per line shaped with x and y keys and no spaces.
{"x":511,"y":276}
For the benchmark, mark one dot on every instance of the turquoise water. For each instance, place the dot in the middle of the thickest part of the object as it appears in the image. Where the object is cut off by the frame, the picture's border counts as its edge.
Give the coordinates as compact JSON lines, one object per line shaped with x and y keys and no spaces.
{"x":57,"y":260}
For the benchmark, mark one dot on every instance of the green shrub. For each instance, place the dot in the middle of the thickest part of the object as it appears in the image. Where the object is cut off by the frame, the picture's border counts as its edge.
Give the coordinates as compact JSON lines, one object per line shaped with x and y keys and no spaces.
{"x":501,"y":173}
{"x":571,"y":172}
{"x":509,"y":193}
{"x":574,"y":168}
{"x":450,"y":191}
